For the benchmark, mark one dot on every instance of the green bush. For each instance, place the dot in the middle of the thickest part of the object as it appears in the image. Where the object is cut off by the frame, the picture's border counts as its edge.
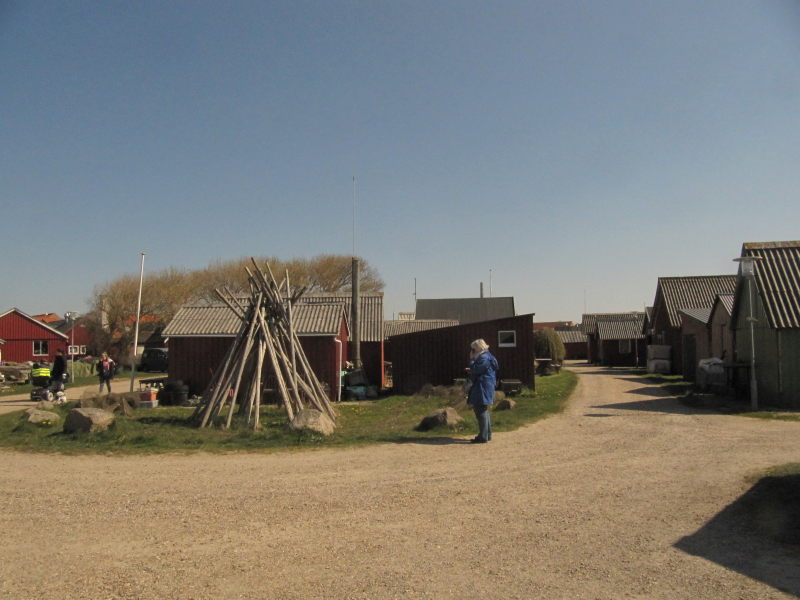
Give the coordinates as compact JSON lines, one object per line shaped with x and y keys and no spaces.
{"x":547,"y":344}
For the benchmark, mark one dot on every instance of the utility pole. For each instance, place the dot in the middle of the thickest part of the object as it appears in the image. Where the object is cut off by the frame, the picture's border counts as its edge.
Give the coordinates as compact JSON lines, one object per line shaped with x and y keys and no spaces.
{"x":138,"y":315}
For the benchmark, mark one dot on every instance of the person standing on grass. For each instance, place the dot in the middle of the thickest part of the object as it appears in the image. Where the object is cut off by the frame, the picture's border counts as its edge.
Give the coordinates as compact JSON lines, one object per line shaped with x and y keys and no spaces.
{"x":59,"y":372}
{"x":105,"y":371}
{"x":482,"y":374}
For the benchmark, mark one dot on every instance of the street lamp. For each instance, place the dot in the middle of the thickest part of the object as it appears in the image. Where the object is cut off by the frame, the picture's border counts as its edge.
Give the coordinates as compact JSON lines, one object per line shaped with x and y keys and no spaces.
{"x":138,"y":315}
{"x":747,"y":269}
{"x":70,"y":316}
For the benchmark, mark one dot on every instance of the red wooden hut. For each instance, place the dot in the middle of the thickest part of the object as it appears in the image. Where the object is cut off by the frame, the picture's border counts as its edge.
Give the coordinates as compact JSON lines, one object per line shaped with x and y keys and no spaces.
{"x":28,"y":339}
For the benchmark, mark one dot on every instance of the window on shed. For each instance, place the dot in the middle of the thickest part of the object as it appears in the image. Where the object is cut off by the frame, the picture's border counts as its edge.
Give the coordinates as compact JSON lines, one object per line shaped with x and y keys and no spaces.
{"x":40,"y":348}
{"x":624,"y":346}
{"x":83,"y":350}
{"x":506,"y":339}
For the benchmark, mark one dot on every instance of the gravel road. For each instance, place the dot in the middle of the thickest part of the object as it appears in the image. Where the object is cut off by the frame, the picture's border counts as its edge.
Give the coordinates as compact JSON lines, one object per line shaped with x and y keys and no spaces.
{"x":625,"y":495}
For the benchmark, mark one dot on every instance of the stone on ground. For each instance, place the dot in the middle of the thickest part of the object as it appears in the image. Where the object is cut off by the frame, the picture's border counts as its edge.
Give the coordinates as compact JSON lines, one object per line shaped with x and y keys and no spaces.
{"x":505,"y":404}
{"x":88,"y":420}
{"x":42,"y":417}
{"x":313,"y":420}
{"x":442,"y":417}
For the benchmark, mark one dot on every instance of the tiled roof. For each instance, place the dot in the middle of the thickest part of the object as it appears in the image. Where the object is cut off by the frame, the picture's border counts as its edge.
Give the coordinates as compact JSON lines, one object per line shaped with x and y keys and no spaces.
{"x":626,"y":326}
{"x":466,"y":310}
{"x":571,"y":336}
{"x":217,"y":320}
{"x":698,"y":314}
{"x":692,"y":292}
{"x":401,"y":326}
{"x":778,"y":280}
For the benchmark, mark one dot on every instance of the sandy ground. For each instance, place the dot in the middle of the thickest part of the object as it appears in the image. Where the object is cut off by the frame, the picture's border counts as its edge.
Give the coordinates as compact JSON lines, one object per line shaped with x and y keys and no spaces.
{"x":626,"y":495}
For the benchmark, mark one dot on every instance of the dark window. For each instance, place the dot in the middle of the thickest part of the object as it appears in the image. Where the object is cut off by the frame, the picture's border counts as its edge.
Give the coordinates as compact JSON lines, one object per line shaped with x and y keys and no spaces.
{"x":506,"y":339}
{"x":40,"y":348}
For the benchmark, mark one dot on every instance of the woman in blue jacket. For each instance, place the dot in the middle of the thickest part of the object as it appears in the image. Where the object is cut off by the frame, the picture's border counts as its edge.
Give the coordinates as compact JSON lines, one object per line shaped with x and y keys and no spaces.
{"x":483,"y":376}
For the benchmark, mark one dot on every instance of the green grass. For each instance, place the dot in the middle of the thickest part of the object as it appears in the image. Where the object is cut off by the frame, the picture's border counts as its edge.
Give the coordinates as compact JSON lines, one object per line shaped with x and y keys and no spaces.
{"x":771,"y":416}
{"x":391,"y":419}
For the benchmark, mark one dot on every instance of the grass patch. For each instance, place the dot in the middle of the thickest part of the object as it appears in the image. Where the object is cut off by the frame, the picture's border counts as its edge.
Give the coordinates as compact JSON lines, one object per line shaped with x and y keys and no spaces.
{"x":775,"y":415}
{"x":391,"y":419}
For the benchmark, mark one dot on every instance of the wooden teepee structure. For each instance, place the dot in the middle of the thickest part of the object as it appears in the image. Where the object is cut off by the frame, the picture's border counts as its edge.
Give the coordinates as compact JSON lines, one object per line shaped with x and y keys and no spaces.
{"x":266,"y":333}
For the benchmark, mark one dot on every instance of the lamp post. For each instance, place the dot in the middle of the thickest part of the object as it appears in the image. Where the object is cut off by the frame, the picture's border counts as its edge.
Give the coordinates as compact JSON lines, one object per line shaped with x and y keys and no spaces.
{"x":747,"y":269}
{"x":70,"y":315}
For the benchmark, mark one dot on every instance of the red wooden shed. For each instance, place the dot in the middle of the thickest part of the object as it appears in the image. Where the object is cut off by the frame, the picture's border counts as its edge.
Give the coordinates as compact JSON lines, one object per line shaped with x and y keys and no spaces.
{"x":28,"y":339}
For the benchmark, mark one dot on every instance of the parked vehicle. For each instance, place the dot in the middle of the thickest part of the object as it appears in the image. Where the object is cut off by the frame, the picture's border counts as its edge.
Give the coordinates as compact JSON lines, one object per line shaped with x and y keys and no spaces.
{"x":154,"y":359}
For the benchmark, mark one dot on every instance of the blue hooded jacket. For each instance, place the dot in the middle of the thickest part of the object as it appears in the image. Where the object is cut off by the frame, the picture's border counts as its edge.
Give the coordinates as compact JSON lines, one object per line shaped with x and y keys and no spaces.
{"x":483,"y":375}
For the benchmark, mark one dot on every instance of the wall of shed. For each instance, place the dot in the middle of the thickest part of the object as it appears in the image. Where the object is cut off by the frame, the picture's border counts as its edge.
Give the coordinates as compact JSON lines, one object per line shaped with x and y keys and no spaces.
{"x":702,"y":346}
{"x":721,"y":336}
{"x":440,"y":355}
{"x":777,"y":355}
{"x":20,"y":333}
{"x":575,"y":350}
{"x":611,"y":356}
{"x":194,"y":360}
{"x":372,"y":358}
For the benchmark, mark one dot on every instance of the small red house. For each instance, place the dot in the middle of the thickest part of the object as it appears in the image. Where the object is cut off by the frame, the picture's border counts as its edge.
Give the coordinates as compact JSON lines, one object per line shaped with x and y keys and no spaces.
{"x":28,"y":339}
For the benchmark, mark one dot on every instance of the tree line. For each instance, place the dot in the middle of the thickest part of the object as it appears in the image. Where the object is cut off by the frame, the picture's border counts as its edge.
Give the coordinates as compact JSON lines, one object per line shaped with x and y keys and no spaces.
{"x":112,"y":316}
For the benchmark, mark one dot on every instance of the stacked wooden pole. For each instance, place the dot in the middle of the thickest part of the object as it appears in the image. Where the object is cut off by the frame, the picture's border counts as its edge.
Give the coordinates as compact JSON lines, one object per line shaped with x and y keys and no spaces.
{"x":266,"y":331}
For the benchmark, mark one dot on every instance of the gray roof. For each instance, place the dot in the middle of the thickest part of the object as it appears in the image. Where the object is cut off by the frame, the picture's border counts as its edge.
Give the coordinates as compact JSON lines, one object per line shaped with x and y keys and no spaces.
{"x":680,"y":293}
{"x":702,"y":315}
{"x":371,"y":310}
{"x":401,"y":326}
{"x":466,"y":310}
{"x":726,"y":300}
{"x":778,"y":280}
{"x":217,"y":320}
{"x":589,"y":320}
{"x":626,"y":326}
{"x":571,"y":336}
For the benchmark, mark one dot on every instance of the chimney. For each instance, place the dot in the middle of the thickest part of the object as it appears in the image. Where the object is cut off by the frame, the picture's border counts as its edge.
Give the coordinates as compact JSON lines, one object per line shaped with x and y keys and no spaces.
{"x":355,"y":311}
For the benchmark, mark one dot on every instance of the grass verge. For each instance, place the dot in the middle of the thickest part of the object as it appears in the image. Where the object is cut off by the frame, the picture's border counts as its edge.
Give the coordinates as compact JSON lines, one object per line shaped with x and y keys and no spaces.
{"x":391,"y":419}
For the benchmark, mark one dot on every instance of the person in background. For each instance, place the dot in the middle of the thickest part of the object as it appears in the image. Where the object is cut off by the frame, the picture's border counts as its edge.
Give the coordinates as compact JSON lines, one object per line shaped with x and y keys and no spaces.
{"x":105,"y":371}
{"x":482,"y":374}
{"x":58,"y":374}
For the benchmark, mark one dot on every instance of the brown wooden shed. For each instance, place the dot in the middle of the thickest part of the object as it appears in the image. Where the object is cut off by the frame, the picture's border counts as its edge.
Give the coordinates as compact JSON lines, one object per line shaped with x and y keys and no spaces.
{"x":439,"y":356}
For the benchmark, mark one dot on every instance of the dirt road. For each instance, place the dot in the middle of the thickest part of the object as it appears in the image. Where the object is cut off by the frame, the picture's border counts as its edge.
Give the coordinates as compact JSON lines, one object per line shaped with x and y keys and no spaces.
{"x":625,"y":495}
{"x":22,"y":401}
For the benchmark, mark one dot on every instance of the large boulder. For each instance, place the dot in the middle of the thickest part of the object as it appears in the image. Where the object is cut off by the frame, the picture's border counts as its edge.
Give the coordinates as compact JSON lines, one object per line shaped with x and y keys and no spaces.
{"x":505,"y":404}
{"x":42,"y":417}
{"x":313,"y":420}
{"x":442,"y":417}
{"x":88,"y":420}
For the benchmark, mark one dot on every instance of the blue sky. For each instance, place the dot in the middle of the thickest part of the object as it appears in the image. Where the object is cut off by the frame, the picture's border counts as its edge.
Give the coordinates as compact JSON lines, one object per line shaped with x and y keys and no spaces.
{"x":578,"y":150}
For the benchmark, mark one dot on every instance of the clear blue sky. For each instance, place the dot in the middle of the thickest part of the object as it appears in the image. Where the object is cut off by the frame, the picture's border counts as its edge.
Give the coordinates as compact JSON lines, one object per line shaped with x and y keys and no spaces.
{"x":579,"y":150}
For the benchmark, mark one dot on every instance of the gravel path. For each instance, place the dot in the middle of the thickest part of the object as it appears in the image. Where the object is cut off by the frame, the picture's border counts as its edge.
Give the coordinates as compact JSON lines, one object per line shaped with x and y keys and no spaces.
{"x":625,"y":495}
{"x":22,"y":401}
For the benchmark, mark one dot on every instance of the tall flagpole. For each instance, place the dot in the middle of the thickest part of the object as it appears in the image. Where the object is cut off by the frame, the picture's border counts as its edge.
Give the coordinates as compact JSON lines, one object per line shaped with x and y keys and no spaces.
{"x":136,"y":330}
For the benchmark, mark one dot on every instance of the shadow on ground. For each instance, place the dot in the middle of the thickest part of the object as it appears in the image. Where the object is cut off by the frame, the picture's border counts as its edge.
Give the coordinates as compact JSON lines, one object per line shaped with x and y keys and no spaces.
{"x":758,"y":535}
{"x":667,"y":404}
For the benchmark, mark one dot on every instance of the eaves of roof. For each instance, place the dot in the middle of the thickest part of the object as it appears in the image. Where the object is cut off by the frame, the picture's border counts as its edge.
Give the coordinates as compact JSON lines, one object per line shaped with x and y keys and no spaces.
{"x":679,"y":293}
{"x":777,"y":276}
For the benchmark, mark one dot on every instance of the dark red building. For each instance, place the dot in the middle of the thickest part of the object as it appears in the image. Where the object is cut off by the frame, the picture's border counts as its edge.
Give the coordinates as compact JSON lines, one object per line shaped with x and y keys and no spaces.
{"x":27,"y":339}
{"x":438,"y":356}
{"x":198,"y":337}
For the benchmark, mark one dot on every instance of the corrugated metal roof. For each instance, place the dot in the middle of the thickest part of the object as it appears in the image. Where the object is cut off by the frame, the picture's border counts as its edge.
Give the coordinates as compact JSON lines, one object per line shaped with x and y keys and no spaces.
{"x":727,"y":301}
{"x":571,"y":336}
{"x":589,"y":320}
{"x":466,"y":310}
{"x":626,"y":326}
{"x":680,"y":293}
{"x":778,"y":280}
{"x":217,"y":320}
{"x":698,"y":314}
{"x":401,"y":326}
{"x":371,"y":310}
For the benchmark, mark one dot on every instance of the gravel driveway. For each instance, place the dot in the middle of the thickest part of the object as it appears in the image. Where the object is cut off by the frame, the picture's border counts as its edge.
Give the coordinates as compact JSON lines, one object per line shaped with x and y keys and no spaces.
{"x":625,"y":495}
